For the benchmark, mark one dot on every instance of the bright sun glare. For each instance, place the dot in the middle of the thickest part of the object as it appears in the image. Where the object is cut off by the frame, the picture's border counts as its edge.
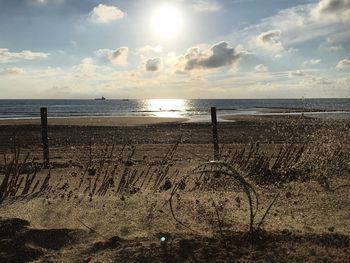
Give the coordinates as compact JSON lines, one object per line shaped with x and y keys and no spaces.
{"x":166,"y":107}
{"x":167,"y":21}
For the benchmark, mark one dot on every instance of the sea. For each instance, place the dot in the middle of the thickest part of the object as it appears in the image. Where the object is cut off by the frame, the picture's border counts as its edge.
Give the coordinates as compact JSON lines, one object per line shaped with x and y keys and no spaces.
{"x":196,"y":110}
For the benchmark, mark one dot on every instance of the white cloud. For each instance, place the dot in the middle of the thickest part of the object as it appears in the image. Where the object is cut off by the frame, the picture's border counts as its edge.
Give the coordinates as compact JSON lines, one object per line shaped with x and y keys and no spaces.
{"x":330,"y":45}
{"x":344,"y":81}
{"x":343,"y":64}
{"x":119,"y":56}
{"x":337,"y":10}
{"x":115,"y":57}
{"x":261,"y":68}
{"x":296,"y":73}
{"x":105,"y":14}
{"x":149,"y":50}
{"x":153,"y":64}
{"x":51,"y":72}
{"x":219,"y":55}
{"x":291,"y":21}
{"x":242,"y":1}
{"x":86,"y":68}
{"x":12,"y":71}
{"x":270,"y":40}
{"x":315,"y":81}
{"x":311,"y":62}
{"x":206,"y":6}
{"x":45,"y":2}
{"x":39,"y":2}
{"x":333,"y":48}
{"x":7,"y":56}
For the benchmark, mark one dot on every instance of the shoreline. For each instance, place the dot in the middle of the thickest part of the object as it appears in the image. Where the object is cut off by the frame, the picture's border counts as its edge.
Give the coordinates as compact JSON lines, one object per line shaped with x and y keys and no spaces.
{"x":308,"y":115}
{"x":95,"y":121}
{"x":134,"y":120}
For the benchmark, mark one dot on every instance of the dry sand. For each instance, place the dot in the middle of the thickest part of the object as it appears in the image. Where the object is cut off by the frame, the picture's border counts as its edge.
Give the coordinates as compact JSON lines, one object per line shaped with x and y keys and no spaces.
{"x":308,"y":223}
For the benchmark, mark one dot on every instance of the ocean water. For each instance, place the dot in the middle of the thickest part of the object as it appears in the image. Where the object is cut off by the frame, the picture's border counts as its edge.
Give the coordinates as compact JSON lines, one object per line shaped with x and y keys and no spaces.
{"x":197,"y":110}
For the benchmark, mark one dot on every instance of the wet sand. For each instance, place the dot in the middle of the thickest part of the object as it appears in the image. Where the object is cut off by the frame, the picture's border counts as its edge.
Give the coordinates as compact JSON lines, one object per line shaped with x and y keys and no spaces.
{"x":95,"y":121}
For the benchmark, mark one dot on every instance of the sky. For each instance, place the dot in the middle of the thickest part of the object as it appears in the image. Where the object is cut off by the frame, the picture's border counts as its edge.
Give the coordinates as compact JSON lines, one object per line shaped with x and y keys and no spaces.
{"x":188,"y":49}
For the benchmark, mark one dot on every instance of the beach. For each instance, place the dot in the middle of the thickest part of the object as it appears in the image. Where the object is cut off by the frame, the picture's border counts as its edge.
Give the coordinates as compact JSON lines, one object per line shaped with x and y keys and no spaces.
{"x":307,"y":221}
{"x":197,"y":131}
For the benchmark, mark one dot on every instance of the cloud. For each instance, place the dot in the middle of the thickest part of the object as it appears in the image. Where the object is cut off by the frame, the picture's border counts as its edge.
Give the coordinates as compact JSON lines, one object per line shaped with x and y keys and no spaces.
{"x":290,"y":22}
{"x":345,"y":81}
{"x":316,"y":81}
{"x":333,"y":9}
{"x":206,"y":6}
{"x":219,"y":55}
{"x":86,"y":68}
{"x":261,"y":68}
{"x":105,"y":14}
{"x":330,"y":45}
{"x":343,"y":64}
{"x":7,"y":56}
{"x":12,"y":71}
{"x":153,"y":64}
{"x":311,"y":62}
{"x":270,"y":40}
{"x":115,"y":57}
{"x":242,"y":1}
{"x":333,"y":48}
{"x":296,"y":73}
{"x":149,"y":50}
{"x":39,"y":2}
{"x":45,"y":2}
{"x":119,"y":56}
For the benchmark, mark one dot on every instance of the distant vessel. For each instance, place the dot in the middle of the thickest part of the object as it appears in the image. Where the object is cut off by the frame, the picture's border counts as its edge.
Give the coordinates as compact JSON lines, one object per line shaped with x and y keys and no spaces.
{"x":102,"y":98}
{"x":125,"y":99}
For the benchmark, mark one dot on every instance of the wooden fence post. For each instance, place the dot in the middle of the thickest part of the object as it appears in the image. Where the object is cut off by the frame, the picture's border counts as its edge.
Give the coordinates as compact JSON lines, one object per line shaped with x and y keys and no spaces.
{"x":214,"y":124}
{"x":44,"y":136}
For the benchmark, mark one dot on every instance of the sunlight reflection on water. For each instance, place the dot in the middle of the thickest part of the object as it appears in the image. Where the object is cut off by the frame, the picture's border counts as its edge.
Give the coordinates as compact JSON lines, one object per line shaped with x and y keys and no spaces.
{"x":169,"y":108}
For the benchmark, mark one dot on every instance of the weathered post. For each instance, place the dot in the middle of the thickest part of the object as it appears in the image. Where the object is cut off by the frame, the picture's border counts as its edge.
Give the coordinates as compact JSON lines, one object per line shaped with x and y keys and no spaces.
{"x":44,"y":136}
{"x":214,"y":123}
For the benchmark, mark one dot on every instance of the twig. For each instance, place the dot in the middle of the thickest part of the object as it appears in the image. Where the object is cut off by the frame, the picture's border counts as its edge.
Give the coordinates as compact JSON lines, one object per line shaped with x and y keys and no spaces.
{"x":267,"y":211}
{"x":91,"y":229}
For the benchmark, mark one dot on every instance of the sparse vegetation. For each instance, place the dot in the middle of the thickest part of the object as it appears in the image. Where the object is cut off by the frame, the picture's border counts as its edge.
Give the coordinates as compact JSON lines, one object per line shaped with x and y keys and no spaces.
{"x":20,"y":177}
{"x":117,"y":190}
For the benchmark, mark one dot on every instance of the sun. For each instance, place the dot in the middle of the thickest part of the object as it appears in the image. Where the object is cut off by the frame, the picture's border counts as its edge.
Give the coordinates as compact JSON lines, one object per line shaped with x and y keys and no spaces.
{"x":167,"y":22}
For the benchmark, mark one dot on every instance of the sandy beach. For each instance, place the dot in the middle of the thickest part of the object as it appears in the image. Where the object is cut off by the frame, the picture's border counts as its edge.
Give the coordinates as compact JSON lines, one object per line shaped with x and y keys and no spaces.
{"x":176,"y":131}
{"x":101,"y":174}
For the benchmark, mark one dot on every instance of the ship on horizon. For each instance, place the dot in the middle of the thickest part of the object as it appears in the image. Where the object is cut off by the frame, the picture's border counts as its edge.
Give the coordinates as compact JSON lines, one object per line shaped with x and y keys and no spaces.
{"x":102,"y":98}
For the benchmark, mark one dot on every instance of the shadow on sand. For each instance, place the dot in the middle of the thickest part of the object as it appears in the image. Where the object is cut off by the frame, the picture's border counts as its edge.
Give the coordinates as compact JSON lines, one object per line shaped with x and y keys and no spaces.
{"x":21,"y":243}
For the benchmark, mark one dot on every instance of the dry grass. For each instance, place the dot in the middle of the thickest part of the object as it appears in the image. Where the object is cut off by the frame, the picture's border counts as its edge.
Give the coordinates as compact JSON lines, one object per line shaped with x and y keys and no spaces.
{"x":113,"y":170}
{"x":321,"y":158}
{"x":20,"y":178}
